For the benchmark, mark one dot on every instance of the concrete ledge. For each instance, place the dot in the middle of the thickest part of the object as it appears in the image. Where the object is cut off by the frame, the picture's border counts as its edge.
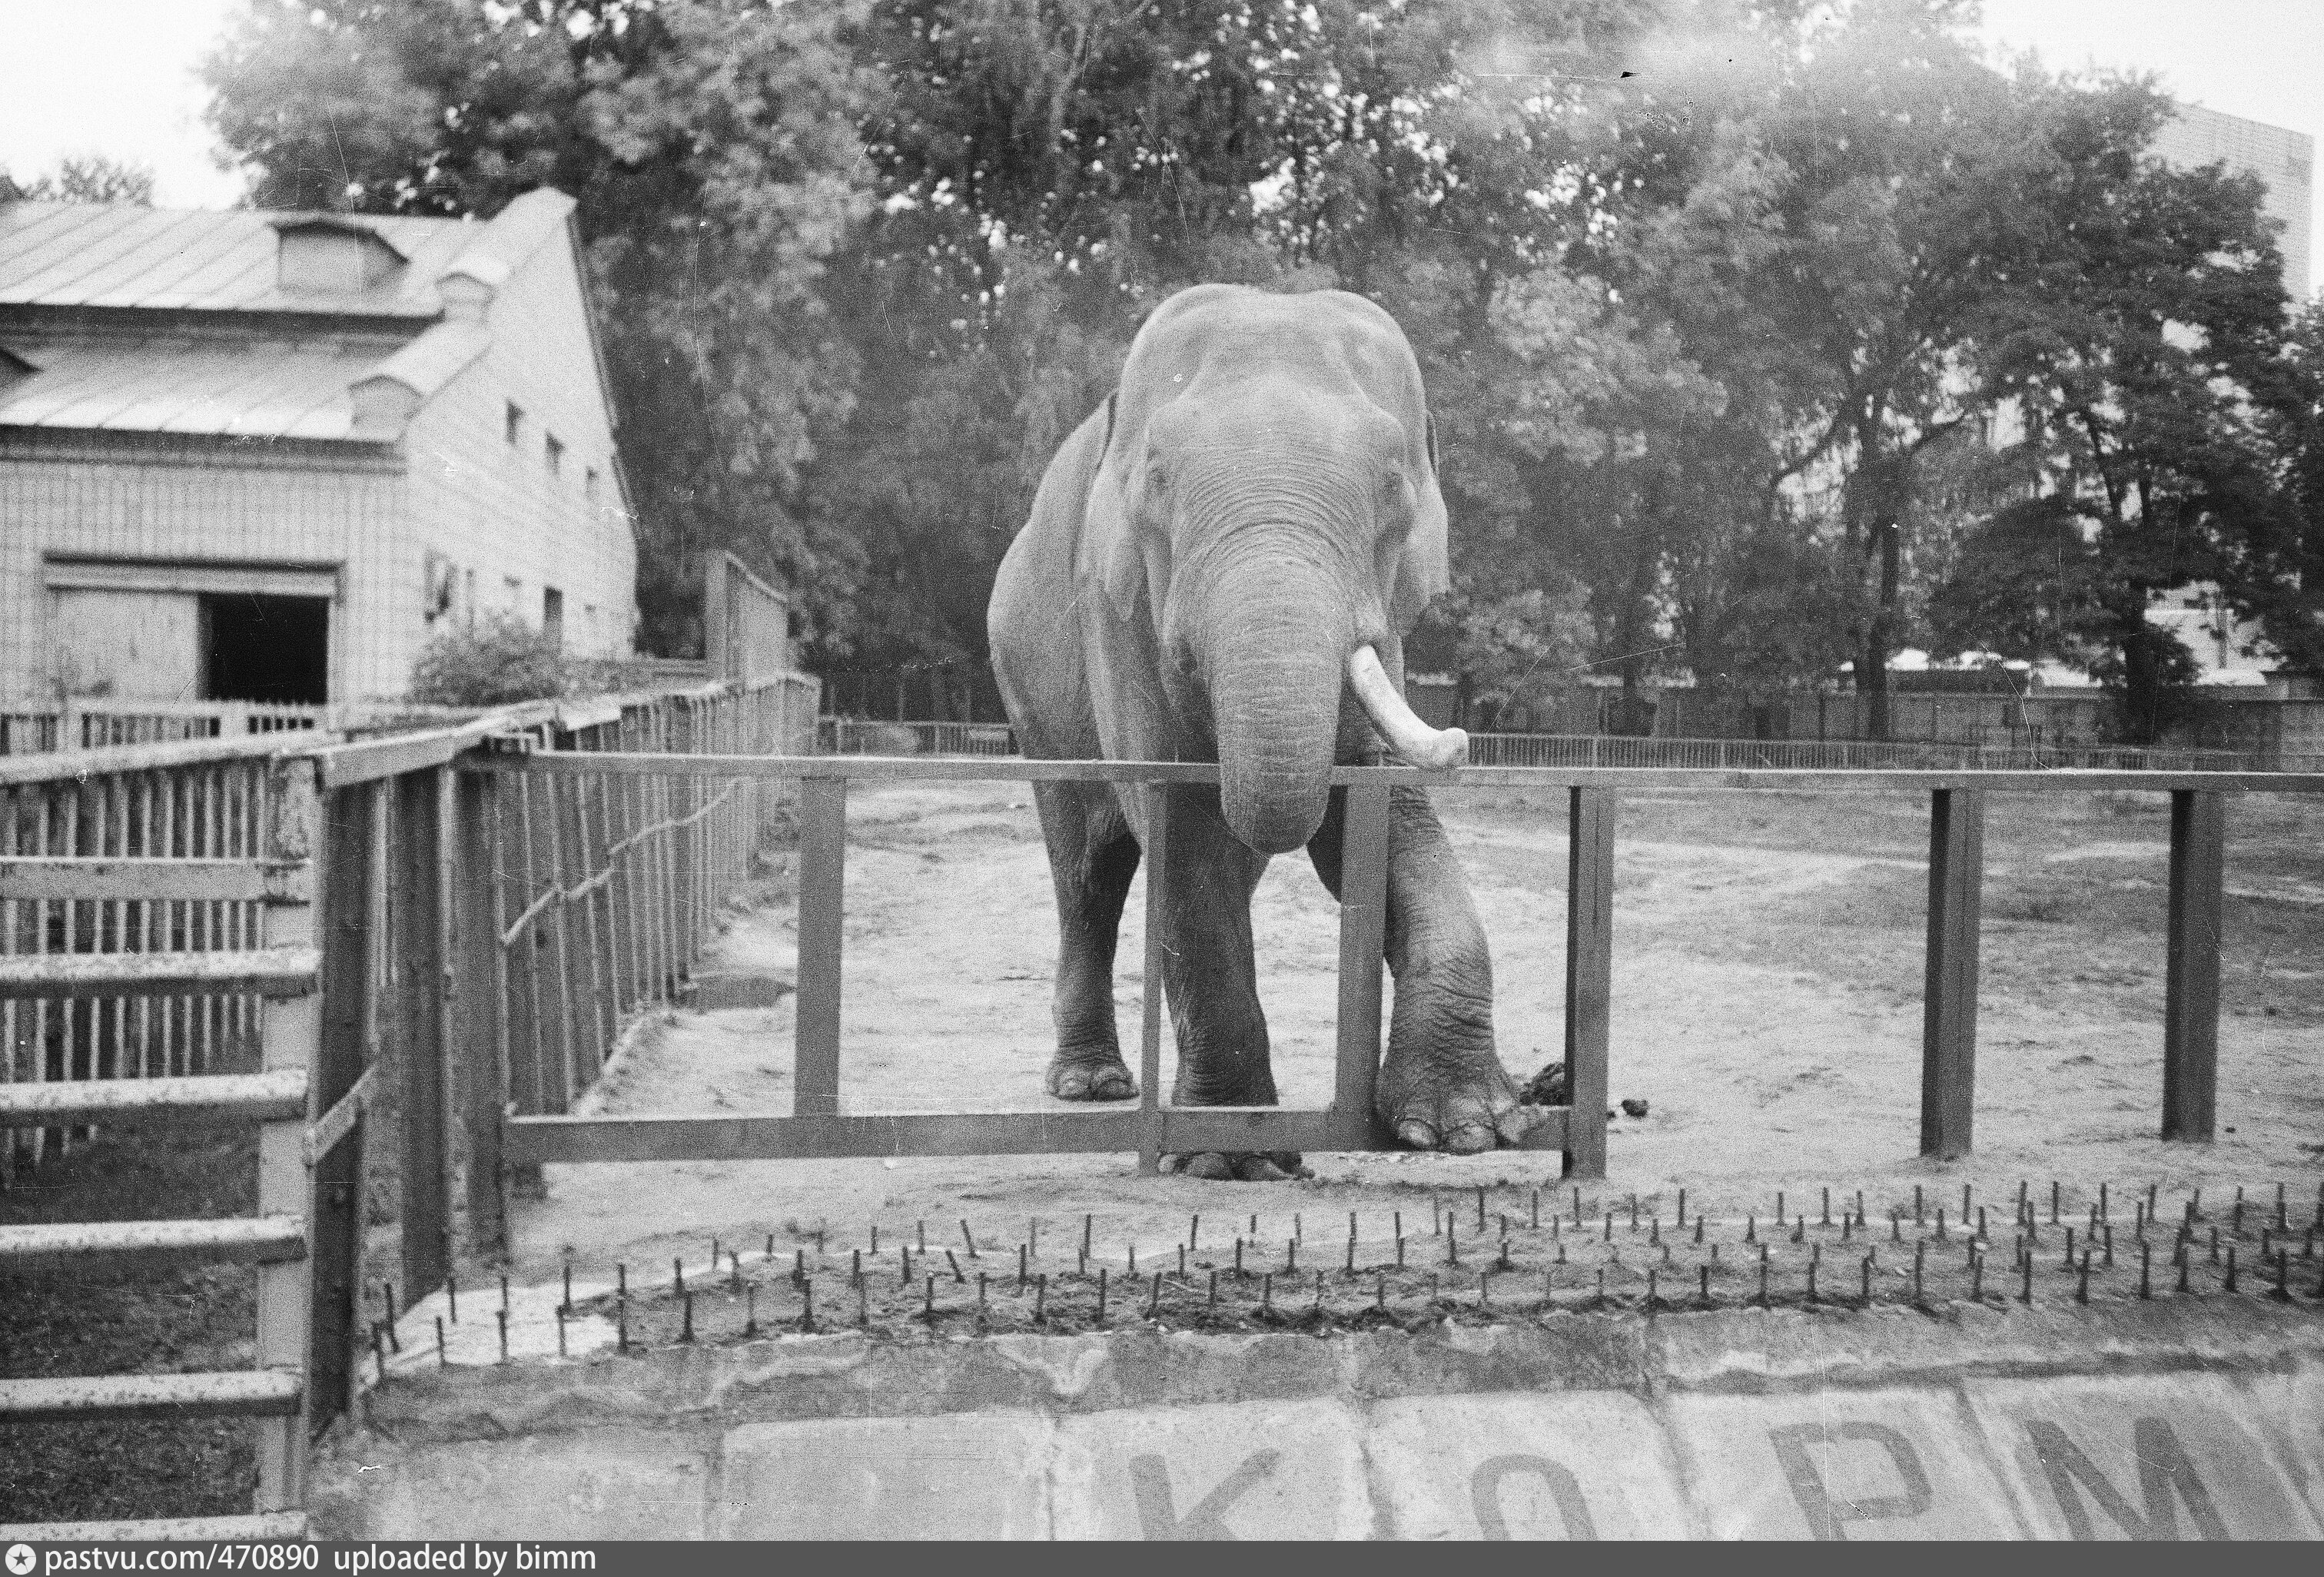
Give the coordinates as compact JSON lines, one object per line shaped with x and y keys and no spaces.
{"x":2191,"y":1417}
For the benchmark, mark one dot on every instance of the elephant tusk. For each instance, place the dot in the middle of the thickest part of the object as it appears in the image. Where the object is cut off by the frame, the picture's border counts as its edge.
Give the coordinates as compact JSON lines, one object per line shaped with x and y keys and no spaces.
{"x":1405,"y":732}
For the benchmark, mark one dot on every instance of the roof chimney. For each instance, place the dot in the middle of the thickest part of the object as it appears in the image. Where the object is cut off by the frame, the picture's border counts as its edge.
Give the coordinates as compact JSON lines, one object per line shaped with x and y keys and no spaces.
{"x":321,"y":255}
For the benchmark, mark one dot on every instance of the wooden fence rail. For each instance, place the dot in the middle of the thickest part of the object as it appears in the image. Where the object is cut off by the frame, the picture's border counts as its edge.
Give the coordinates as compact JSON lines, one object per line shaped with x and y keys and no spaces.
{"x":537,"y":1134}
{"x":817,"y":1128}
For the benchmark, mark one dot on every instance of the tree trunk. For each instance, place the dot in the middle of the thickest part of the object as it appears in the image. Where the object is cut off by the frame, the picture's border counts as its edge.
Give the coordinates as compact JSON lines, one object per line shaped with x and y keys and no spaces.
{"x":1879,"y":637}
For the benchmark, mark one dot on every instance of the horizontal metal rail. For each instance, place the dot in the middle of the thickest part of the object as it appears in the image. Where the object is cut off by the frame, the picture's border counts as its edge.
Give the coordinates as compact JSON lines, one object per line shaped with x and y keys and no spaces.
{"x":970,"y":768}
{"x":107,"y":879}
{"x":265,"y":1240}
{"x":256,"y":1528}
{"x":533,"y":1140}
{"x":241,"y":1393}
{"x":270,"y":1097}
{"x":267,"y":972}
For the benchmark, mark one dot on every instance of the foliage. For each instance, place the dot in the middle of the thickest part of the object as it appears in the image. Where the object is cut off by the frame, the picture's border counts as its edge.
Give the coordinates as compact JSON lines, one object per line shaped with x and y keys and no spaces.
{"x":500,"y":659}
{"x":89,"y":178}
{"x":708,"y":144}
{"x":1714,"y":298}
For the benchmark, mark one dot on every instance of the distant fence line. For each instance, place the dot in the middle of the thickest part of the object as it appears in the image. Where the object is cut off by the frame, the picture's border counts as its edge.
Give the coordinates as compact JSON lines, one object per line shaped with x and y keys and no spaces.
{"x":851,"y":737}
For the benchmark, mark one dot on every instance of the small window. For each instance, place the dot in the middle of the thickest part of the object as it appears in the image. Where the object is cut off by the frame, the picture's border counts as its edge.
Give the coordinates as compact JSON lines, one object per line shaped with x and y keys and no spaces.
{"x":552,"y":615}
{"x":514,"y":420}
{"x":555,"y":451}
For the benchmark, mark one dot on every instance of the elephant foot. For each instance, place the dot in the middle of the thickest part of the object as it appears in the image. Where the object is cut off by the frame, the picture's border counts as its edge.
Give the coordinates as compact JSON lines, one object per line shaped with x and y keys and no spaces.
{"x":1232,"y":1167}
{"x":1091,"y":1078}
{"x":1462,"y":1105}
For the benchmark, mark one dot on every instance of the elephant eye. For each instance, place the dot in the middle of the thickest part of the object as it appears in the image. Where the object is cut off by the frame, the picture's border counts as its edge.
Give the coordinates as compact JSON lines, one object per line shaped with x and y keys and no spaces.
{"x":1155,"y":481}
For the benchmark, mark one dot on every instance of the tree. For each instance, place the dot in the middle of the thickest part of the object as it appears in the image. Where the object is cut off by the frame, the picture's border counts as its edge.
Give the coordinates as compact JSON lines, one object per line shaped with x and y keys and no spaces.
{"x":85,"y":178}
{"x":2148,"y":355}
{"x":710,"y":145}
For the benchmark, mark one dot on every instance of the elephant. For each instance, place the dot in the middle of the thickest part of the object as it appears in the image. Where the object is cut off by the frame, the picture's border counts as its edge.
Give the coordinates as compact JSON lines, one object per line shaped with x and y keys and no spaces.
{"x":1220,"y":564}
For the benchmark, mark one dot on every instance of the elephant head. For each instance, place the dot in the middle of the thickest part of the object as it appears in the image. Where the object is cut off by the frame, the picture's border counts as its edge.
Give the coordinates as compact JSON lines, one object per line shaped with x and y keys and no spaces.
{"x":1267,"y":506}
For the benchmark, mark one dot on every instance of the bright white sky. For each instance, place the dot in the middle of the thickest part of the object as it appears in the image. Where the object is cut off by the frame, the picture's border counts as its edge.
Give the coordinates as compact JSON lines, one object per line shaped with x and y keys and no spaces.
{"x":117,"y":76}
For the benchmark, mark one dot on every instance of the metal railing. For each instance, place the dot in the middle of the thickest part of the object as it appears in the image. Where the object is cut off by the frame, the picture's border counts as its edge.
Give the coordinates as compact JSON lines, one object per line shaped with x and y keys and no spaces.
{"x":849,"y":736}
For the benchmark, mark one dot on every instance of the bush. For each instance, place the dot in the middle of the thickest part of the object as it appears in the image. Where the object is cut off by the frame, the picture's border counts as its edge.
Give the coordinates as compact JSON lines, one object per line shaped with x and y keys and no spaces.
{"x":499,"y":660}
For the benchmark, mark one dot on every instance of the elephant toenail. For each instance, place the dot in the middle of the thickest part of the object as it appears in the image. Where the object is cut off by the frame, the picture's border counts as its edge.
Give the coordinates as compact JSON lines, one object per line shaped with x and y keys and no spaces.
{"x":1416,"y":1134}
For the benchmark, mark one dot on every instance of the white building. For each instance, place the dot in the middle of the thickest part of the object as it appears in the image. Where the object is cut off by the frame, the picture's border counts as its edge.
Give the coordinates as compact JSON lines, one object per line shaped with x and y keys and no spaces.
{"x":264,"y":457}
{"x":2284,"y":158}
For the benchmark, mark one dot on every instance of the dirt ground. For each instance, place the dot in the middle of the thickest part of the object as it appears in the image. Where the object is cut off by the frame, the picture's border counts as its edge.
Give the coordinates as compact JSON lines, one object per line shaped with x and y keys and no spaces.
{"x":1767,"y":978}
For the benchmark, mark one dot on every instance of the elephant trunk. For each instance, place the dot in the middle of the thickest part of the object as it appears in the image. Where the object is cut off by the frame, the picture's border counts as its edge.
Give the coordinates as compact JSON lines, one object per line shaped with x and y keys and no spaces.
{"x":1274,"y":686}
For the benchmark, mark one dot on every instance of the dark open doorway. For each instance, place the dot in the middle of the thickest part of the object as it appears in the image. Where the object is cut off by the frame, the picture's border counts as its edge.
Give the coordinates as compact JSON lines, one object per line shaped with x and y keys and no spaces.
{"x":266,"y":649}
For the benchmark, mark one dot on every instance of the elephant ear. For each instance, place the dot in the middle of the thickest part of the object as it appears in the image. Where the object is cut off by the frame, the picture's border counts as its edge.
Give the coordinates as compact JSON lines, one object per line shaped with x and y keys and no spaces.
{"x":1425,"y":572}
{"x":1109,"y":551}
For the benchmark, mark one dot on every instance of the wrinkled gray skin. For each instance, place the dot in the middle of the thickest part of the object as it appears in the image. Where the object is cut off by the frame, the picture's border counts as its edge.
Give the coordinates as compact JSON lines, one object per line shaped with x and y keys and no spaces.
{"x":1258,"y":499}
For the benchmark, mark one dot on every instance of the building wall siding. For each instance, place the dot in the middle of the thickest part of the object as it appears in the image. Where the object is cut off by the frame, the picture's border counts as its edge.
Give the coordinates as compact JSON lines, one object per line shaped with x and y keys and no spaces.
{"x":190,"y":499}
{"x":494,"y":508}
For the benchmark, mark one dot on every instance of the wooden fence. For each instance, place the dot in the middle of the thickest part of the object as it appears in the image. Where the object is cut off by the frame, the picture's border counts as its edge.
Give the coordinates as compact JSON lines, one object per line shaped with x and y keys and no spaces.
{"x":817,"y":1128}
{"x":436,"y":938}
{"x":301,"y":937}
{"x":852,"y":736}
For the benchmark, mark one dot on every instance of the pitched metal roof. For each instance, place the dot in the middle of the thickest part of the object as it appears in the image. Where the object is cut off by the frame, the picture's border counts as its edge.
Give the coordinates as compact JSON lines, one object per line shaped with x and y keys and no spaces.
{"x":179,"y":384}
{"x":119,"y":254}
{"x":72,"y":355}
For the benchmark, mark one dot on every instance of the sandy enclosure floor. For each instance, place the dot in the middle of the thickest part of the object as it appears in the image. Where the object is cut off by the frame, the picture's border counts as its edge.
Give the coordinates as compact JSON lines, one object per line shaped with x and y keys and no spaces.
{"x":1767,"y":976}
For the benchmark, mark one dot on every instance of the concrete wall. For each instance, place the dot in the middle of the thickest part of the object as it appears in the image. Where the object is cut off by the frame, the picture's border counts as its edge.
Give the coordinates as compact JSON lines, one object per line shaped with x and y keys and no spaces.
{"x":2186,"y":1418}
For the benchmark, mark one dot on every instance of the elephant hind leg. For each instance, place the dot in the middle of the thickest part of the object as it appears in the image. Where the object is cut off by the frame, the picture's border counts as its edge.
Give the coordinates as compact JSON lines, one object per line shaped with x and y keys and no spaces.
{"x":1092,"y":856}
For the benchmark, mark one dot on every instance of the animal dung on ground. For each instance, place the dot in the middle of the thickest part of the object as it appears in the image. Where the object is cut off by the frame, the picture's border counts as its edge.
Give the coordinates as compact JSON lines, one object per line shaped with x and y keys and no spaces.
{"x":1547,"y":1087}
{"x":1634,"y":1108}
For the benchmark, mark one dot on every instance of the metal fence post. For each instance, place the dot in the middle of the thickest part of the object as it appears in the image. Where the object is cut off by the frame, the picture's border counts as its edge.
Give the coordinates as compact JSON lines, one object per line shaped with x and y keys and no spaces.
{"x":1589,"y":975}
{"x":1949,"y":1008}
{"x":2190,"y":1013}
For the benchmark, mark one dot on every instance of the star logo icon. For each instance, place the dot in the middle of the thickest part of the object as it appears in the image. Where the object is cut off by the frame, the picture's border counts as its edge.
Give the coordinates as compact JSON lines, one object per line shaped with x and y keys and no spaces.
{"x":20,"y":1560}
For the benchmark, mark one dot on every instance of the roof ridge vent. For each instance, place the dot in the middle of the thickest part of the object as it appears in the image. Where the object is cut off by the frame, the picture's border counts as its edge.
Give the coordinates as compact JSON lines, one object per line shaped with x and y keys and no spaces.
{"x":329,"y":254}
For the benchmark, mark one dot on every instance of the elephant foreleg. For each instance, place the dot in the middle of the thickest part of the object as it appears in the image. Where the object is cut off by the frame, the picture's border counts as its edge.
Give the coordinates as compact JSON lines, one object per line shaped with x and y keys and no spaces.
{"x":1091,"y":858}
{"x":1212,"y":980}
{"x":1442,"y":1085}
